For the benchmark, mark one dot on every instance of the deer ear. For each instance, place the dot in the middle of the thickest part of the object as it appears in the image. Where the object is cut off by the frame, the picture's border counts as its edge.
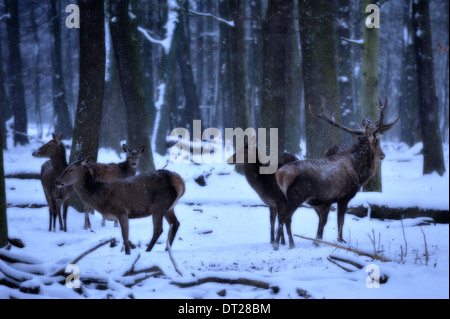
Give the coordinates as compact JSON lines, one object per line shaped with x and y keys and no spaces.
{"x":141,"y":150}
{"x":85,"y":160}
{"x":125,"y":148}
{"x":57,"y":137}
{"x":92,"y":172}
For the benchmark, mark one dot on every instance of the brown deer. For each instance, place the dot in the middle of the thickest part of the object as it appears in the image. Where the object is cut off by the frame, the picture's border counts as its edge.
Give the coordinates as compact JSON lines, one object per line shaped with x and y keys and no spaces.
{"x":138,"y":196}
{"x":50,"y":170}
{"x":265,"y":185}
{"x":335,"y":179}
{"x":107,"y":172}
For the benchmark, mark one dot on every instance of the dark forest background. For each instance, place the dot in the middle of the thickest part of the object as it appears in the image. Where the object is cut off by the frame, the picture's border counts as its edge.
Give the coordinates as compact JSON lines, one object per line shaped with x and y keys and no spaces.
{"x":230,"y":63}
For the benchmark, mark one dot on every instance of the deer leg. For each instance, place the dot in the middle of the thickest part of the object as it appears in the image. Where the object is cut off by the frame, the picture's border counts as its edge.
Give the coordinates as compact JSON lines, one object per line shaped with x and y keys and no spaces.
{"x":65,"y":207}
{"x":50,"y":214}
{"x":322,"y":211}
{"x":50,"y":209}
{"x":87,"y":222}
{"x":58,"y":212}
{"x":276,"y":244}
{"x":157,"y":230}
{"x":289,"y":231}
{"x":53,"y":217}
{"x":123,"y":221}
{"x":342,"y":208}
{"x":173,"y":221}
{"x":284,"y":217}
{"x":273,"y":217}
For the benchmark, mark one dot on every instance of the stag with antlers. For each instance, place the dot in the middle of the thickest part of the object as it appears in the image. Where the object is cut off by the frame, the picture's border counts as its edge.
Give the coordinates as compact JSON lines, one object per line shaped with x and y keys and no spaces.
{"x":335,"y":179}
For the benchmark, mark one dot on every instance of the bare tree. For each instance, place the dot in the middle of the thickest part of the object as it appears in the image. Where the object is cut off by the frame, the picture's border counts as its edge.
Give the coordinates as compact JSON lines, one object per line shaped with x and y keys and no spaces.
{"x":369,"y":83}
{"x":15,"y":63}
{"x":92,"y":80}
{"x":276,"y":42}
{"x":126,"y":48}
{"x":61,"y":109}
{"x":3,"y":220}
{"x":319,"y":73}
{"x":433,"y":158}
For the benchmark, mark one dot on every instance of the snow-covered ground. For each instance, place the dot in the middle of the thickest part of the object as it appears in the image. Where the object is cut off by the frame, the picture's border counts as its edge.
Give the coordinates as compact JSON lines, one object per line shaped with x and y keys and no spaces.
{"x":224,"y":233}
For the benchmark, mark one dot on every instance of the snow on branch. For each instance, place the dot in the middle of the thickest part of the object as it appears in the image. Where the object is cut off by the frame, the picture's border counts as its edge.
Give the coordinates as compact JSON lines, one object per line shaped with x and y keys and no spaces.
{"x":149,"y":37}
{"x":172,"y":20}
{"x":209,"y":15}
{"x":359,"y":42}
{"x":5,"y":16}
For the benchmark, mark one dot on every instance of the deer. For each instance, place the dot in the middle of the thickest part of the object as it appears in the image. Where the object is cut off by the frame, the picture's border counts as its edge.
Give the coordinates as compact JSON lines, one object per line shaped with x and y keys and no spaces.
{"x":106,"y":172}
{"x":264,"y":185}
{"x":155,"y":193}
{"x":50,"y":170}
{"x":334,"y":179}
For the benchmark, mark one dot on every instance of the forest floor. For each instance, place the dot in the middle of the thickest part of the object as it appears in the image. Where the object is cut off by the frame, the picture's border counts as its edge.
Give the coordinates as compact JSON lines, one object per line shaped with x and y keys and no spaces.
{"x":222,"y":248}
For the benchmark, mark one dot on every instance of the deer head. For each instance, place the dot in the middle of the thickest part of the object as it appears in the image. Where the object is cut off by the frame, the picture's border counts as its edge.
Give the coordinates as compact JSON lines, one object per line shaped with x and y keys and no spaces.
{"x":49,"y":149}
{"x":133,"y":156}
{"x":371,"y":131}
{"x":73,"y":173}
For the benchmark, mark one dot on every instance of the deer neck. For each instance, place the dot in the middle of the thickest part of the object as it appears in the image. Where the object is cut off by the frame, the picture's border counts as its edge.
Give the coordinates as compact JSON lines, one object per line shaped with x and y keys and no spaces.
{"x":252,"y":174}
{"x":126,"y":169}
{"x":87,"y":189}
{"x":59,"y":161}
{"x":364,"y":160}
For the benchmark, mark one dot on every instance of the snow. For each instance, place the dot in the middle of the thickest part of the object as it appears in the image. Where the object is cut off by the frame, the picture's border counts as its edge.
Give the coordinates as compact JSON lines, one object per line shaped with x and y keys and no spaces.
{"x":224,"y":232}
{"x":172,"y":20}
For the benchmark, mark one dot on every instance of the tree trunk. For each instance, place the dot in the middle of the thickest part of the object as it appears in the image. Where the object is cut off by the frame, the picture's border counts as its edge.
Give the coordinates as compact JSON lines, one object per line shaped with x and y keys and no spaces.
{"x":408,"y":101}
{"x":63,"y":119}
{"x":317,"y":35}
{"x":3,"y":103}
{"x":238,"y":65}
{"x":92,"y":80}
{"x":126,"y":49}
{"x":192,"y":107}
{"x":145,"y":14}
{"x":294,"y":88}
{"x":3,"y":217}
{"x":168,"y":80}
{"x":369,"y":85}
{"x":225,"y":114}
{"x":433,"y":158}
{"x":113,"y":107}
{"x":276,"y":41}
{"x":344,"y":67}
{"x":255,"y":53}
{"x":37,"y":73}
{"x":15,"y":63}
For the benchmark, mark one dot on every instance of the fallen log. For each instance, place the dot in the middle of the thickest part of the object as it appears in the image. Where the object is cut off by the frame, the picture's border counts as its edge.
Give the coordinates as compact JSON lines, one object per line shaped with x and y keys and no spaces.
{"x":238,"y":281}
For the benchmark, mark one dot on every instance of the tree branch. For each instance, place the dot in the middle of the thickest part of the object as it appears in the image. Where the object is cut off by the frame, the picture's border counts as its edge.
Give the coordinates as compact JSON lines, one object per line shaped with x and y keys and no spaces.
{"x":209,"y":15}
{"x":62,"y":271}
{"x":358,"y":252}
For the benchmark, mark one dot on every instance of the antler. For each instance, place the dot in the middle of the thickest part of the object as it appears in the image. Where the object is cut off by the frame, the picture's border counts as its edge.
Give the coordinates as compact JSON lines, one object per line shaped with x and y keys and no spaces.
{"x":381,"y":127}
{"x":334,"y":123}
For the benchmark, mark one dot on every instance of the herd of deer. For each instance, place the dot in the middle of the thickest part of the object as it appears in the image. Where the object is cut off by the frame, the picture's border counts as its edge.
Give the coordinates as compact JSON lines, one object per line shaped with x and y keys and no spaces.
{"x":118,"y":194}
